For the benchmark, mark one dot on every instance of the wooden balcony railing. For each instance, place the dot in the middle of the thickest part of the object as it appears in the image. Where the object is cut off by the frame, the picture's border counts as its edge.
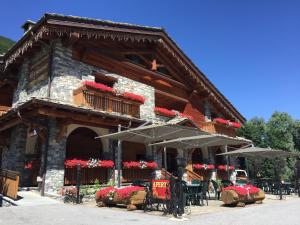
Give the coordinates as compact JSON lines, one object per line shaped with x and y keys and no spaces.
{"x":132,"y":174}
{"x":216,"y":128}
{"x":4,"y":109}
{"x":88,"y":175}
{"x":95,"y":99}
{"x":192,"y":175}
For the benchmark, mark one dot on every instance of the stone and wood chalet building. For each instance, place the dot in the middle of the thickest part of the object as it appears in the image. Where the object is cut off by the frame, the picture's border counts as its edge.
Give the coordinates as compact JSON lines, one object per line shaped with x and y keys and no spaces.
{"x":71,"y":79}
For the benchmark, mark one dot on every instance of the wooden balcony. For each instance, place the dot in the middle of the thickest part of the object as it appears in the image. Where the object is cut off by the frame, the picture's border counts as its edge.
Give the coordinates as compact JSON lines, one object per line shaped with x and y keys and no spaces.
{"x":4,"y":109}
{"x":103,"y":101}
{"x":88,"y":175}
{"x":216,"y":128}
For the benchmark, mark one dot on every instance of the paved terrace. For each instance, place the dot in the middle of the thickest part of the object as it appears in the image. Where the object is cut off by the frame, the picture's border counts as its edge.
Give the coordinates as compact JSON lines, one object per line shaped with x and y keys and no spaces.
{"x":47,"y":211}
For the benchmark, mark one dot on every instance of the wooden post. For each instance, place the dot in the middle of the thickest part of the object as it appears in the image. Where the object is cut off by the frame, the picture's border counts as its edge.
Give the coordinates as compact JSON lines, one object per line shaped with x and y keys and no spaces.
{"x":165,"y":158}
{"x":78,"y":178}
{"x":227,"y":163}
{"x":119,"y":158}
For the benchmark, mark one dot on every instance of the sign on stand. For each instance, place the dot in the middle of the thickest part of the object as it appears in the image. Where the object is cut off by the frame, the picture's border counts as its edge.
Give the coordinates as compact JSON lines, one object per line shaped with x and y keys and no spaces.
{"x":161,"y":189}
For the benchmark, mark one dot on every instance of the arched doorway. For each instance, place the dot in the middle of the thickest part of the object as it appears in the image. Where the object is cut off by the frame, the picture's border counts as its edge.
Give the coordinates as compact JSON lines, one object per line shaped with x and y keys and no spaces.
{"x":81,"y":144}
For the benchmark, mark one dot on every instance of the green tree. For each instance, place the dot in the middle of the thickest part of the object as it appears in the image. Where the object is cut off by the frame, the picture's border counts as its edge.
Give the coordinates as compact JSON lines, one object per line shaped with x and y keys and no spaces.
{"x":296,"y":134}
{"x":280,"y":132}
{"x":255,"y":130}
{"x":5,"y":44}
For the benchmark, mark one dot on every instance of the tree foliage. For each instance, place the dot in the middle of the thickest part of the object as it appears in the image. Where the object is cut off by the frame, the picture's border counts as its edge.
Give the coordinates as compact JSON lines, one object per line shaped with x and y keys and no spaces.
{"x":5,"y":44}
{"x":281,"y":131}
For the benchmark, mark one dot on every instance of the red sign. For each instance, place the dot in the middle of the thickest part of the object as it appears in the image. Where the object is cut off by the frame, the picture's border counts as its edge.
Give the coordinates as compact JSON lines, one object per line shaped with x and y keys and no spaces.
{"x":161,"y":189}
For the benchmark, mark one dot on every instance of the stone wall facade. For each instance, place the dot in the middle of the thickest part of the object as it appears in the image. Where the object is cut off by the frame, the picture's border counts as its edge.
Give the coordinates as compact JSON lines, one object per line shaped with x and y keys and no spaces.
{"x":68,"y":75}
{"x":23,"y":93}
{"x":13,"y":157}
{"x":55,"y":160}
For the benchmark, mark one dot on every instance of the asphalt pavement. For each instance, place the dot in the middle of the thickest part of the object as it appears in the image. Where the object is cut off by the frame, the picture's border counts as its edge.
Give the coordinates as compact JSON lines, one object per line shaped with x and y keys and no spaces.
{"x":274,"y":213}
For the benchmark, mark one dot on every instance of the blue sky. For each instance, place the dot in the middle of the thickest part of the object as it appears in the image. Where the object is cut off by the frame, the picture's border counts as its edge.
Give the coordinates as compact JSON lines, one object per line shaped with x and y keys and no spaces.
{"x":249,"y":49}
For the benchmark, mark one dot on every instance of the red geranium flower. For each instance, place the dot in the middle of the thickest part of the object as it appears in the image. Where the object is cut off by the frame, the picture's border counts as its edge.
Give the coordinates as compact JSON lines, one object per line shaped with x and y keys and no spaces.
{"x":101,"y":87}
{"x":165,"y":112}
{"x":221,"y":120}
{"x":186,"y":116}
{"x":134,"y":97}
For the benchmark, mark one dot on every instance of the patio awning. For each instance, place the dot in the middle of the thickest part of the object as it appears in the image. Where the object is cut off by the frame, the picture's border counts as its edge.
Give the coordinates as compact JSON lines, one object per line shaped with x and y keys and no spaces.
{"x":260,"y":152}
{"x":153,"y":133}
{"x":204,"y":140}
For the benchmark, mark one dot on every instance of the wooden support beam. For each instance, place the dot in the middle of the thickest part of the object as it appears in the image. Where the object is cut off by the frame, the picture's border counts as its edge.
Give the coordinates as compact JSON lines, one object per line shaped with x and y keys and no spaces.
{"x":10,"y":124}
{"x":134,"y":72}
{"x":81,"y":118}
{"x":125,"y":65}
{"x":171,"y":96}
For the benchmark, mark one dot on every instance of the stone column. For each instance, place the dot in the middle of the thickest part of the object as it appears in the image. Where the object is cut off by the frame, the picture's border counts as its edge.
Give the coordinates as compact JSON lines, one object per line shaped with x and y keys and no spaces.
{"x":55,"y":170}
{"x":13,"y":157}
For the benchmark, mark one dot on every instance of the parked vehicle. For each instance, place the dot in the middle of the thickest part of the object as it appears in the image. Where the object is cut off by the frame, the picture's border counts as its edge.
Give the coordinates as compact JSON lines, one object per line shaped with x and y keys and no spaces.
{"x":241,"y":177}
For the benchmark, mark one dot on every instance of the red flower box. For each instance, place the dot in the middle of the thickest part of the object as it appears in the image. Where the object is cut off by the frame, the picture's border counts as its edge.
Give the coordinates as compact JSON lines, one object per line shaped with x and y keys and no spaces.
{"x":227,"y":122}
{"x":106,"y":163}
{"x":203,"y":166}
{"x":71,"y":163}
{"x":235,"y":124}
{"x":165,"y":112}
{"x":224,"y":167}
{"x":140,"y":165}
{"x":221,"y":121}
{"x":186,"y":116}
{"x":101,"y":87}
{"x":105,"y":88}
{"x":134,"y":97}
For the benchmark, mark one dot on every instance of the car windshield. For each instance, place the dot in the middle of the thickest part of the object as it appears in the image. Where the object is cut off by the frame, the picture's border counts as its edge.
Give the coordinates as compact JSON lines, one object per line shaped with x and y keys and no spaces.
{"x":240,"y":174}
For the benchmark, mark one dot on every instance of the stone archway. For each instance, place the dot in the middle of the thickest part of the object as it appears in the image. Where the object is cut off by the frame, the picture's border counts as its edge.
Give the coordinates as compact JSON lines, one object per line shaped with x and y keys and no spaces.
{"x":81,"y":144}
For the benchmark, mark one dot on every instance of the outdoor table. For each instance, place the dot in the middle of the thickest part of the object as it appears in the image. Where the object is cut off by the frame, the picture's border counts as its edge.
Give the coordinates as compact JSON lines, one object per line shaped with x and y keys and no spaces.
{"x":193,"y":193}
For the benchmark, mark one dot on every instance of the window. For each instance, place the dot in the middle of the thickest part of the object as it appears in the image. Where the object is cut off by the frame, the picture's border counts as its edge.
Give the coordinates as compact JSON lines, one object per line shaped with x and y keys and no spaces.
{"x":104,"y":79}
{"x":38,"y":69}
{"x":31,"y":142}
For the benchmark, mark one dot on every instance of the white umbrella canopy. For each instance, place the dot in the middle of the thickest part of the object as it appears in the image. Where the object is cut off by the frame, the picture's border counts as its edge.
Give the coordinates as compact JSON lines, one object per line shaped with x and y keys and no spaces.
{"x":261,"y":153}
{"x":153,"y":133}
{"x":204,"y":140}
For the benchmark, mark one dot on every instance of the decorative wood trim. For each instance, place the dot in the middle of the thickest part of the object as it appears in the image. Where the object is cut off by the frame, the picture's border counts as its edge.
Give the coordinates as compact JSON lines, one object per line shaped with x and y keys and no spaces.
{"x":86,"y":30}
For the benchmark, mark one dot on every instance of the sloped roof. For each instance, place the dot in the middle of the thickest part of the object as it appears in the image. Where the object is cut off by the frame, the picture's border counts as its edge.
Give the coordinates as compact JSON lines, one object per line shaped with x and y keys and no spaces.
{"x":94,"y":28}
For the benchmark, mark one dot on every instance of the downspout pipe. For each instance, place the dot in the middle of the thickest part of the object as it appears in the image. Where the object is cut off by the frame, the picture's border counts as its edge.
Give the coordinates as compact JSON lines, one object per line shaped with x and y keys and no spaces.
{"x":45,"y":155}
{"x":51,"y":50}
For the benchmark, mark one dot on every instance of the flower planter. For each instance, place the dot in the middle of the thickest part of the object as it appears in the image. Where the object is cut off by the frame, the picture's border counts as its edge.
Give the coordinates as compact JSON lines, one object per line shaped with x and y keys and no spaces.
{"x":235,"y":197}
{"x":106,"y":99}
{"x":170,"y":113}
{"x":133,"y":199}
